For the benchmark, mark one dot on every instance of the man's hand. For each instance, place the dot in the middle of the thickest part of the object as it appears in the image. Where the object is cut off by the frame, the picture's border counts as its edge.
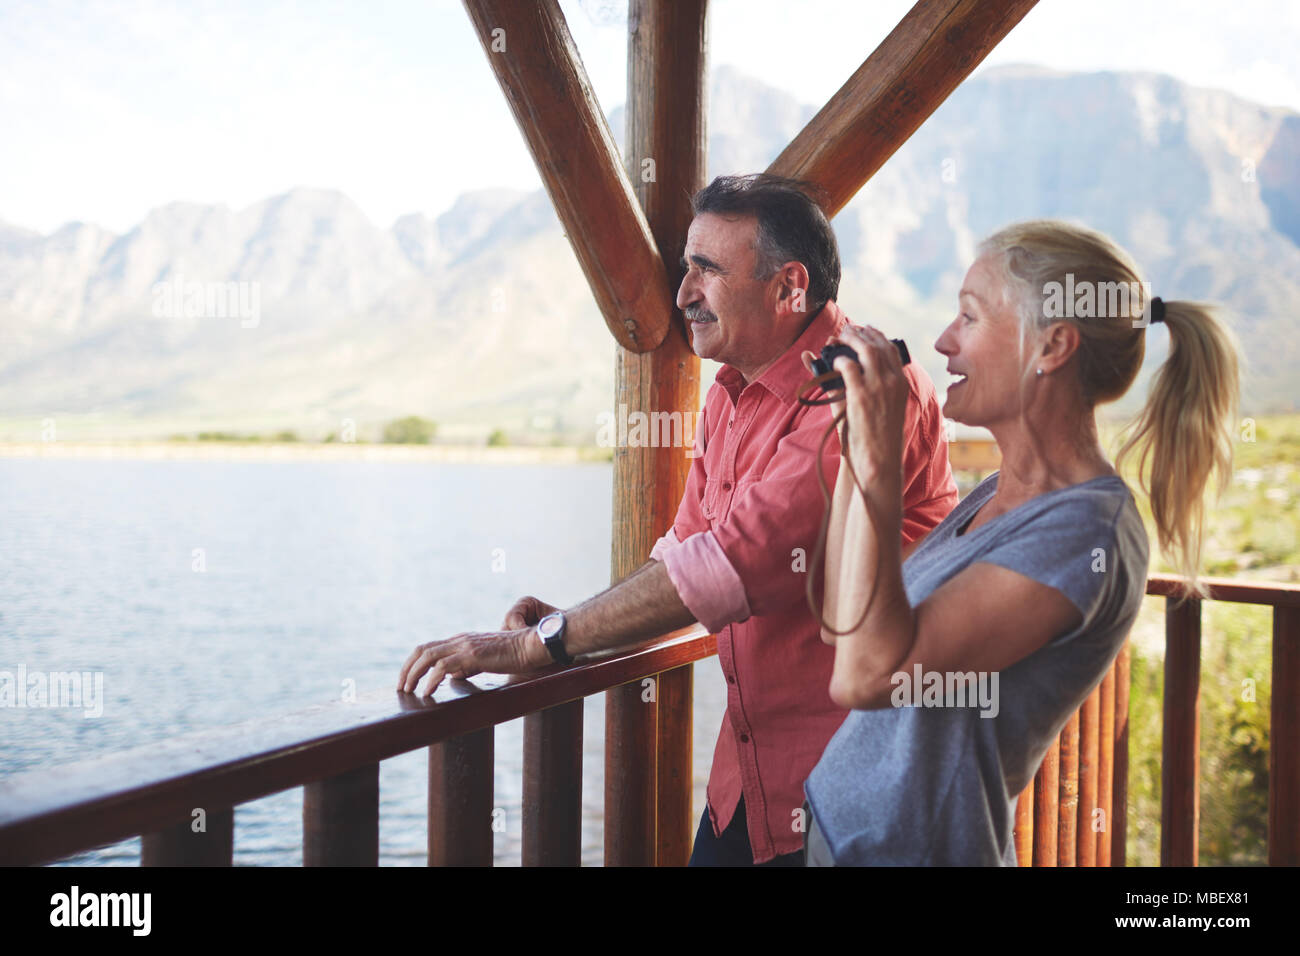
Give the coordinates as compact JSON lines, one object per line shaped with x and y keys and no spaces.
{"x":526,"y":612}
{"x":504,"y":652}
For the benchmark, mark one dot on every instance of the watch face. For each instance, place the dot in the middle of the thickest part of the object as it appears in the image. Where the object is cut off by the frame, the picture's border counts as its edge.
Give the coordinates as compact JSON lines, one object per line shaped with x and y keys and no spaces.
{"x":549,"y":626}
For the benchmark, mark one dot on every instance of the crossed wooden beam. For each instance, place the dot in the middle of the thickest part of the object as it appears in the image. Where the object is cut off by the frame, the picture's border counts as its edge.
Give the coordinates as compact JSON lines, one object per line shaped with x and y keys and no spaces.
{"x":923,"y":59}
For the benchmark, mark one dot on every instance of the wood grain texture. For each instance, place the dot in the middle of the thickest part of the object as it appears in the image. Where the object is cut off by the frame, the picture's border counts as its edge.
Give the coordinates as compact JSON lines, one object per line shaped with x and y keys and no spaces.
{"x":1284,"y":741}
{"x":340,"y":819}
{"x":1180,"y":761}
{"x":648,"y":776}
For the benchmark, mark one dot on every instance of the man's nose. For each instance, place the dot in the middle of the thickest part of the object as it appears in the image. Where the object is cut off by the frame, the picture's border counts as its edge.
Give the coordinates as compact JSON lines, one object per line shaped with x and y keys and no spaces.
{"x":686,"y":293}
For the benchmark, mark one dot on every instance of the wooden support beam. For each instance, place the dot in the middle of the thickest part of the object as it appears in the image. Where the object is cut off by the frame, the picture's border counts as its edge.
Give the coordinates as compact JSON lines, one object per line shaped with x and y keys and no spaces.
{"x":647,"y":771}
{"x":534,"y":58}
{"x":553,"y":786}
{"x":1284,"y":741}
{"x":181,"y":845}
{"x":460,"y":800}
{"x":340,"y":819}
{"x":1180,"y":763}
{"x":909,"y":75}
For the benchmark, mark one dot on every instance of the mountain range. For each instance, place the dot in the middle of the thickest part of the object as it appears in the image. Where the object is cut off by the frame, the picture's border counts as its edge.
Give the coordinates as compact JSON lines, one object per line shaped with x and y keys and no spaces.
{"x":480,"y":318}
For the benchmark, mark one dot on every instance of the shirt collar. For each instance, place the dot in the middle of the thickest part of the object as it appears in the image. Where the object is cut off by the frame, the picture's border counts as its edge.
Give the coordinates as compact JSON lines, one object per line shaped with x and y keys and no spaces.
{"x":784,"y":378}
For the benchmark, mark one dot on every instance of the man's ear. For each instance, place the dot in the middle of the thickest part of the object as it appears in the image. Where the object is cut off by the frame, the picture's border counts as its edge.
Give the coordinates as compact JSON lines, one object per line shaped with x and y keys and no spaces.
{"x":792,"y":289}
{"x":1058,"y":342}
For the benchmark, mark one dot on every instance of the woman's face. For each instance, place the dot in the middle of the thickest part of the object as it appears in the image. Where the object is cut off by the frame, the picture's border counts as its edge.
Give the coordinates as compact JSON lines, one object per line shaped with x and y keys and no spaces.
{"x":983,"y":345}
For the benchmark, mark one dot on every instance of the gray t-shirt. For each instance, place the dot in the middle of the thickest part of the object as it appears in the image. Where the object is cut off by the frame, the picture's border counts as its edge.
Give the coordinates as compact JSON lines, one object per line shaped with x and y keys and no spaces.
{"x":937,"y":785}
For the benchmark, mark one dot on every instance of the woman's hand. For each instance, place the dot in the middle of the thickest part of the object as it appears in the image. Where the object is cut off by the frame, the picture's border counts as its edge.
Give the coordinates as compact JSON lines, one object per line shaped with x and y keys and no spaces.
{"x":875,"y":396}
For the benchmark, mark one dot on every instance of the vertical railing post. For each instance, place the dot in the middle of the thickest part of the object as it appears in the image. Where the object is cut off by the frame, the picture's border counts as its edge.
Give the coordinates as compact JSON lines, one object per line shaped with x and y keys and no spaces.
{"x":1047,"y":798}
{"x":460,"y":800}
{"x":1105,"y":766}
{"x":1067,"y":816}
{"x":675,"y":767}
{"x":1086,"y":835}
{"x":1284,"y":741}
{"x":340,"y":819}
{"x":181,"y":845}
{"x":665,"y":161}
{"x":1023,"y":834}
{"x":1119,"y":790}
{"x":552,"y":797}
{"x":1180,"y":761}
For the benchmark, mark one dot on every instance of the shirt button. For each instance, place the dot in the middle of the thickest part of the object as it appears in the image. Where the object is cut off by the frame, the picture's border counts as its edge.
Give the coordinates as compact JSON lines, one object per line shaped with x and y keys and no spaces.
{"x":744,"y":738}
{"x":730,"y":679}
{"x":726,"y":486}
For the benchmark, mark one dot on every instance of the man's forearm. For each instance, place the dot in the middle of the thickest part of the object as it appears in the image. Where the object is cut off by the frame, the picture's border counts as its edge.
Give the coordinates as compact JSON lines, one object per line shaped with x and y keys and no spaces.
{"x":642,"y":605}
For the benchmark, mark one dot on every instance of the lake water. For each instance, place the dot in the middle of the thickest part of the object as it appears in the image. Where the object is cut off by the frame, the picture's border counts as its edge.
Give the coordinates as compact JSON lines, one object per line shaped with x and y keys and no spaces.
{"x":211,"y":592}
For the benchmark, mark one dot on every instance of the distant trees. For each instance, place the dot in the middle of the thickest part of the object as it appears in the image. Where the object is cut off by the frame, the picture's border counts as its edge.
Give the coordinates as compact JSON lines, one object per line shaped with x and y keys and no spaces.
{"x":411,"y":430}
{"x":497,"y":438}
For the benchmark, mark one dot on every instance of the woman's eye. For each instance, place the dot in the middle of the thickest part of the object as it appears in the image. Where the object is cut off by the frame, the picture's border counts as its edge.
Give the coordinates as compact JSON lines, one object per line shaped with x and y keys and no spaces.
{"x":968,"y":317}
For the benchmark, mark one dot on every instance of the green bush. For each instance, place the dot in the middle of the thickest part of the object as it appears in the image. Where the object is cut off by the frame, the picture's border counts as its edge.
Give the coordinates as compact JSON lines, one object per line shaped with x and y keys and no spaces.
{"x":411,"y":430}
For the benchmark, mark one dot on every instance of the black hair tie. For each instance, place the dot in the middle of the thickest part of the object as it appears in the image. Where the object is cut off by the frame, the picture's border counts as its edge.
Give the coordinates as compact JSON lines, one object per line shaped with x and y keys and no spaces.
{"x":1157,"y":310}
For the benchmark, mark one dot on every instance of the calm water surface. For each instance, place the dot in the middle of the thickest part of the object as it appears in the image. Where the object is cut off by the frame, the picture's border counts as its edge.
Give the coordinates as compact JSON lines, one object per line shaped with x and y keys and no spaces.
{"x":208,"y":593}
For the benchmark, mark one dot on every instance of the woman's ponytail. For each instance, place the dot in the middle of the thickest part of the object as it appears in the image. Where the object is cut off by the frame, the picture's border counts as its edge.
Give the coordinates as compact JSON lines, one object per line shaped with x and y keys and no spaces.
{"x":1183,"y":436}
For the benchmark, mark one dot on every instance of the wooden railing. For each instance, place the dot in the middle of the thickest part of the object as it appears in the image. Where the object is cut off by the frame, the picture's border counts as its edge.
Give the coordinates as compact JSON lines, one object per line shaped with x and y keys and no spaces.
{"x":334,"y":752}
{"x":1075,"y":811}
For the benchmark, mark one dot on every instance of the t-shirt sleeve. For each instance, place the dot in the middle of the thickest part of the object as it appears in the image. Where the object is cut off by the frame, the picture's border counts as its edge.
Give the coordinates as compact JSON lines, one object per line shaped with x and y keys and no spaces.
{"x":1069,"y":546}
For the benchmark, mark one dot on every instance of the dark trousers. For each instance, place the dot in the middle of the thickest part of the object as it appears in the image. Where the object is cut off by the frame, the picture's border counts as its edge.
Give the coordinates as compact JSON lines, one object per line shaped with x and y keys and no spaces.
{"x":732,"y":847}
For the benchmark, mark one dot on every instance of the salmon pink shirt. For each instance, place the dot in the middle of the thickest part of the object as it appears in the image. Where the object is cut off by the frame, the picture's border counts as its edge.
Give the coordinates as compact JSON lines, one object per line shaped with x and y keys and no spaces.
{"x":738,"y":554}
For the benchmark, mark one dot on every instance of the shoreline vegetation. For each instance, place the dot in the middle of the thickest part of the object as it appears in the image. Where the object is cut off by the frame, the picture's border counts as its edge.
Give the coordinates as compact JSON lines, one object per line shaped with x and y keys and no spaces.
{"x":241,"y":449}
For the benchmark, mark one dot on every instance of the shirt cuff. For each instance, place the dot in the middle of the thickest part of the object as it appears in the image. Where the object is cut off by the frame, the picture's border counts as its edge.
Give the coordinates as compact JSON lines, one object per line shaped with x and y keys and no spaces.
{"x":664,"y":544}
{"x":707,"y":582}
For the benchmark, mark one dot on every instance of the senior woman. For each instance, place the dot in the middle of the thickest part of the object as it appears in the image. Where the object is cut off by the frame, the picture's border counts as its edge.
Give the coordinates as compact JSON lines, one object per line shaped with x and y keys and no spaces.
{"x":1033,"y":581}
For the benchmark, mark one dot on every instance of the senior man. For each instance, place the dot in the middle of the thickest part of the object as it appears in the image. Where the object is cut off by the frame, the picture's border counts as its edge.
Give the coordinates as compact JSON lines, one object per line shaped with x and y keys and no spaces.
{"x":762,"y":273}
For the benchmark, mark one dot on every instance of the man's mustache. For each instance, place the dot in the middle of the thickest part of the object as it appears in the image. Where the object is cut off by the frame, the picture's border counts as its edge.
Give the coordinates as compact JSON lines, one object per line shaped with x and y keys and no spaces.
{"x":698,"y":313}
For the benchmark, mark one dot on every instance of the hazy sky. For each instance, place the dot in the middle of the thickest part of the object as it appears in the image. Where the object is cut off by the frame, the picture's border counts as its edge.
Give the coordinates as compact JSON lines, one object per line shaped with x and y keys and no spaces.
{"x":110,"y":109}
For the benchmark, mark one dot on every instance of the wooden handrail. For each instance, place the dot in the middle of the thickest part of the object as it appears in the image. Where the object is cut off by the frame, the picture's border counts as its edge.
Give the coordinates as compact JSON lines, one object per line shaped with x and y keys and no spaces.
{"x":51,"y":813}
{"x":334,"y":750}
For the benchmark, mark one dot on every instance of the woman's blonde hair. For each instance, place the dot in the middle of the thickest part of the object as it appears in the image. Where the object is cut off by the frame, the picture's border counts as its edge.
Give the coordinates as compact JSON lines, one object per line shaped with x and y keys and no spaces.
{"x":1183,"y":436}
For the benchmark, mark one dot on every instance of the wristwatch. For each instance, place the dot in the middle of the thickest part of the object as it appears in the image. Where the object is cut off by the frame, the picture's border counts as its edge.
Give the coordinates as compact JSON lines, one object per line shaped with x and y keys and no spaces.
{"x":551,"y":631}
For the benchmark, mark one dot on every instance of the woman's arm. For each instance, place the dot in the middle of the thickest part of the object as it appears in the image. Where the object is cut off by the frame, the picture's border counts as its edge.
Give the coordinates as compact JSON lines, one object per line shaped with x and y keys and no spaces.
{"x":986,"y":618}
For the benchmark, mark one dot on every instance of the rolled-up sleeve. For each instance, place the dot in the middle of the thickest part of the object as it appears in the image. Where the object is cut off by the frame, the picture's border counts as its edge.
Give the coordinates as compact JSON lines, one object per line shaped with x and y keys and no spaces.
{"x":707,"y":582}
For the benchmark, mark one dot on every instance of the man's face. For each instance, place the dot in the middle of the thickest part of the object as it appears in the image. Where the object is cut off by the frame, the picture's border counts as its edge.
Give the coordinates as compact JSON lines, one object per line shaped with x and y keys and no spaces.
{"x":730,"y":314}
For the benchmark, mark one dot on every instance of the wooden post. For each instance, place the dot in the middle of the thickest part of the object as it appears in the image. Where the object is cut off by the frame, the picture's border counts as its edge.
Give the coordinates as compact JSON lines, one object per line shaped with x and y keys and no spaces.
{"x":180,"y":845}
{"x":1119,"y":791}
{"x":340,"y":819}
{"x":909,"y":75}
{"x":648,"y":746}
{"x":1179,"y":769}
{"x":1068,"y":809}
{"x":1284,"y":741}
{"x":553,"y":786}
{"x":1105,"y":766}
{"x":460,"y":800}
{"x":1089,"y":719}
{"x":1047,"y":798}
{"x":1024,"y":827}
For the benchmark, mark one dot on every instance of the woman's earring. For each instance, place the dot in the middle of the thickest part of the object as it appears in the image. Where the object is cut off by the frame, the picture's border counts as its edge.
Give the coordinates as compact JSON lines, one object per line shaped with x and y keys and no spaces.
{"x":1040,"y":371}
